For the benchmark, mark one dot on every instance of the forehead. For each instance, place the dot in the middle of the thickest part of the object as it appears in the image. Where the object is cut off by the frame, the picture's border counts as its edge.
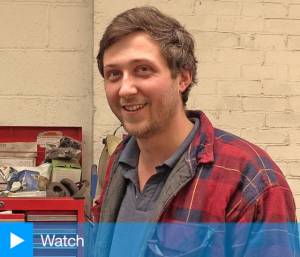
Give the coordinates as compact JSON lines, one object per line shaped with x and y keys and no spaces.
{"x":135,"y":46}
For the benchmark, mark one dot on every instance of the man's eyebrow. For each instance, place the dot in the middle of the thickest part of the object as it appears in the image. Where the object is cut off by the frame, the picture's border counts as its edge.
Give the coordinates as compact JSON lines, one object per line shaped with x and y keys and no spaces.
{"x":110,"y":66}
{"x":138,"y":60}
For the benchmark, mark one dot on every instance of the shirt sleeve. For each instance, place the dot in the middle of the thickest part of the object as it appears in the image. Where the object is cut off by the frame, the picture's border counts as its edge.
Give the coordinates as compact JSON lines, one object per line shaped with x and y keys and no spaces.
{"x":273,"y":230}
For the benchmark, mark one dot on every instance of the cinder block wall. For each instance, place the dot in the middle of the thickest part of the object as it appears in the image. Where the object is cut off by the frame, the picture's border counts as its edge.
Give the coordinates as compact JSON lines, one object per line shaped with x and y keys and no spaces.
{"x":249,"y":75}
{"x":46,"y":65}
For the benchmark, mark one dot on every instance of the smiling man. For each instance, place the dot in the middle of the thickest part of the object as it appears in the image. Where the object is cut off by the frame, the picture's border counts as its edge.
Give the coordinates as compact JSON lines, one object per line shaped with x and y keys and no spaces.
{"x":144,"y":95}
{"x":175,"y":167}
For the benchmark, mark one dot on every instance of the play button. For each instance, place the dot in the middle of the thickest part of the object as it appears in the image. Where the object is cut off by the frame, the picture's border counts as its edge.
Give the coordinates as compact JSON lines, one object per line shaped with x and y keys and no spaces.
{"x":15,"y":240}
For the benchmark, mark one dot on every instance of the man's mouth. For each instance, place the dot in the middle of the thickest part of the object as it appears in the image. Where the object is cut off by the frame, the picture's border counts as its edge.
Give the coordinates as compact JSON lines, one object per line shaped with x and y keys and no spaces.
{"x":133,"y":107}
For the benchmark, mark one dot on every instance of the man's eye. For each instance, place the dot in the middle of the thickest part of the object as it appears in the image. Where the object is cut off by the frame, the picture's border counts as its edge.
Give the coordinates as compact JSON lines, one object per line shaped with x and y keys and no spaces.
{"x":143,"y":70}
{"x":113,"y":75}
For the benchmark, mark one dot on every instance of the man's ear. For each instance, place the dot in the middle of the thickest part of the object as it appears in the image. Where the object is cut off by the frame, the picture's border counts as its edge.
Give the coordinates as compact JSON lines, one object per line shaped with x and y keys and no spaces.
{"x":185,"y":79}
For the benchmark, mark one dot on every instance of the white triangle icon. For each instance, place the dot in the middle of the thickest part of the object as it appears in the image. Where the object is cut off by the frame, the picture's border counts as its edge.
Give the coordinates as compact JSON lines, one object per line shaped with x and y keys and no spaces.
{"x":15,"y":240}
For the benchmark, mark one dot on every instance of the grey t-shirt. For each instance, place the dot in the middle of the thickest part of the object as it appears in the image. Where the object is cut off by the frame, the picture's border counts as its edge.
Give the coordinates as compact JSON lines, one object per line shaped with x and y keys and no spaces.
{"x":138,"y":206}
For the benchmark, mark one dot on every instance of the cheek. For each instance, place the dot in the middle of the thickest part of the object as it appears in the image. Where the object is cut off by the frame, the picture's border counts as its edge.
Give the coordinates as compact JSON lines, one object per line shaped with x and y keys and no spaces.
{"x":162,"y":90}
{"x":156,"y":88}
{"x":111,"y":95}
{"x":113,"y":100}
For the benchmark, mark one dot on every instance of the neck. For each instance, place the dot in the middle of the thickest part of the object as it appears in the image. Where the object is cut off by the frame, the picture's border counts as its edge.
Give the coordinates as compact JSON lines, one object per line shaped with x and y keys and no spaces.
{"x":160,"y":146}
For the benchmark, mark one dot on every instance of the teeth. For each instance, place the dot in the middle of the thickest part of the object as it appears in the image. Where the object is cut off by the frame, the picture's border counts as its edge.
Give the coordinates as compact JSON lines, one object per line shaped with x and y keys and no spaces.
{"x":133,"y":108}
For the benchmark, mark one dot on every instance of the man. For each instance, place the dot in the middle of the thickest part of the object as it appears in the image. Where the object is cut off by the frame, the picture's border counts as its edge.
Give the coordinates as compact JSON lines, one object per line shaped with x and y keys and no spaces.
{"x":174,"y":167}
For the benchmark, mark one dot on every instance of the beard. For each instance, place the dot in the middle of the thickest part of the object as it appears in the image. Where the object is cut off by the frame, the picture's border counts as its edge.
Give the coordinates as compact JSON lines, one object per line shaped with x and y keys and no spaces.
{"x":158,"y":118}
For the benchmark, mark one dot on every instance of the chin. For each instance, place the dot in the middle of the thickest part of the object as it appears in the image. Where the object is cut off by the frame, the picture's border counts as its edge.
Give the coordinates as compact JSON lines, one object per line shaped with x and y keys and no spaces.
{"x":139,"y":131}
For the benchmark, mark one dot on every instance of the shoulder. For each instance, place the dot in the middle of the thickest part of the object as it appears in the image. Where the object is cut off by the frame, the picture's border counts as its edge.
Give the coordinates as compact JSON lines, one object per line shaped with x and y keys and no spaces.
{"x":256,"y":179}
{"x":237,"y":152}
{"x":253,"y":168}
{"x":234,"y":142}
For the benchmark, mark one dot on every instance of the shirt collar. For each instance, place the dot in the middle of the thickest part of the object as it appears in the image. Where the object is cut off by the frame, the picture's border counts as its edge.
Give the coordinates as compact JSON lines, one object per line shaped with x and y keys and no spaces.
{"x":201,"y":148}
{"x":131,"y":151}
{"x":184,"y":145}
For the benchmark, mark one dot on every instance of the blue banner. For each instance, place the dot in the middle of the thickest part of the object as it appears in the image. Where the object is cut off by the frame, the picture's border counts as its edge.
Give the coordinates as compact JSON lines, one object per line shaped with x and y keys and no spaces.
{"x":149,"y":239}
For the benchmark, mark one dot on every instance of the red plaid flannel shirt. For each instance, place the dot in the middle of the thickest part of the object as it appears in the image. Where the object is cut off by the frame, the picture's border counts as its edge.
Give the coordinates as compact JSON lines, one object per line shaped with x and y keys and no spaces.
{"x":233,"y":181}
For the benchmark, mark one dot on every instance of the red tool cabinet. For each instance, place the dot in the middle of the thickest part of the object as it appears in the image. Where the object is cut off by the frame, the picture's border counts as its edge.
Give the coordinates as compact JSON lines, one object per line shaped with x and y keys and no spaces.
{"x":40,"y":210}
{"x":39,"y":205}
{"x":44,"y":209}
{"x":49,"y":215}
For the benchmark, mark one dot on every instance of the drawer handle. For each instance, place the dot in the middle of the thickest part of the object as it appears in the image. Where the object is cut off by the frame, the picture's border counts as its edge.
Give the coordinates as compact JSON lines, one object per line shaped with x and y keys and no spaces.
{"x":1,"y":204}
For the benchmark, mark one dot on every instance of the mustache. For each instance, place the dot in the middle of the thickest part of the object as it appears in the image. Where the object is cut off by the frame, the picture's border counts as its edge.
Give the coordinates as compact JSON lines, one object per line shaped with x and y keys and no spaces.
{"x":125,"y":101}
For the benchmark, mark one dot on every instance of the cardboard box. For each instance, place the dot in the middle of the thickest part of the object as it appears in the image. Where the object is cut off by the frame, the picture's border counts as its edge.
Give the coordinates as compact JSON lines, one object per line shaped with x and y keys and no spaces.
{"x":18,"y":153}
{"x":17,"y":161}
{"x":64,"y":169}
{"x":29,"y":141}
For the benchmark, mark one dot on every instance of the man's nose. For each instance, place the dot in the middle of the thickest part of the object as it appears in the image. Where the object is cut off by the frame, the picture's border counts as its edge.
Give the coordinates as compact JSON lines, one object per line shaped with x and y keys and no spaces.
{"x":128,"y":86}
